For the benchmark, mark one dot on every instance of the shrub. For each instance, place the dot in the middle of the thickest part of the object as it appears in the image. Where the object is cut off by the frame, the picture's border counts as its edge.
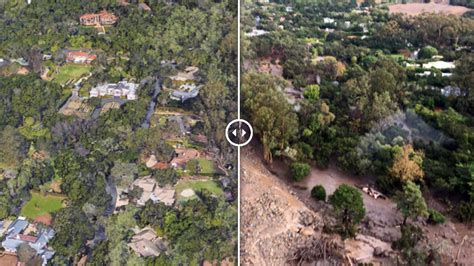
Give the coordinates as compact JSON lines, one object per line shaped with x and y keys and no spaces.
{"x":465,"y":211}
{"x":318,"y":192}
{"x":298,"y":171}
{"x":435,"y":217}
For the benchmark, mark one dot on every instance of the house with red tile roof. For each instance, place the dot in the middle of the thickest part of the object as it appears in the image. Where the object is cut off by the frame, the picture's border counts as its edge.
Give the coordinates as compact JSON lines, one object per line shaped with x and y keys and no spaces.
{"x":101,"y":18}
{"x":80,"y":57}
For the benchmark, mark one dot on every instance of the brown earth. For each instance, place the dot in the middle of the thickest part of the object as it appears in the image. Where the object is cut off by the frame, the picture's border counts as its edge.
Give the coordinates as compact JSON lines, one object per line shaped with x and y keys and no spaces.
{"x":272,"y":207}
{"x":45,"y":219}
{"x":271,"y":217}
{"x":415,"y":9}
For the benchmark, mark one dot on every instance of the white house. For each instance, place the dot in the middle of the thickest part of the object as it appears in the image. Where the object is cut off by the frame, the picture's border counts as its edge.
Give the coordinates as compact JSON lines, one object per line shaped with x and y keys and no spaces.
{"x":328,"y":20}
{"x":439,"y":65}
{"x":121,"y":89}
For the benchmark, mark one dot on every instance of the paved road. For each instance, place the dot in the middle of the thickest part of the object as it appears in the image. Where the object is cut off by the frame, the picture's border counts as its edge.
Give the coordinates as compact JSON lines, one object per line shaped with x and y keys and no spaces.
{"x":151,"y":107}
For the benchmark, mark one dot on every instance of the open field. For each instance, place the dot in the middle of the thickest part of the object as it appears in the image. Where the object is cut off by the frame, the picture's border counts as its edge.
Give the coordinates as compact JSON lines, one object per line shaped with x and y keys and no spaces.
{"x":40,"y":205}
{"x":415,"y":9}
{"x":71,"y":72}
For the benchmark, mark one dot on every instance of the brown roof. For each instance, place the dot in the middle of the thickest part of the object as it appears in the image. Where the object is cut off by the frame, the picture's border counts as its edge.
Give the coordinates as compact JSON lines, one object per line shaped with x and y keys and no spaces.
{"x":88,"y":16}
{"x":184,"y":155}
{"x":8,"y":259}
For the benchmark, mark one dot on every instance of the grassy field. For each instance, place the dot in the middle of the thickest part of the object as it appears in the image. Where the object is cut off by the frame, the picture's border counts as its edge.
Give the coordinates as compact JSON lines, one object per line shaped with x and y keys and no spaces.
{"x":71,"y":72}
{"x":198,"y":185}
{"x":40,"y":205}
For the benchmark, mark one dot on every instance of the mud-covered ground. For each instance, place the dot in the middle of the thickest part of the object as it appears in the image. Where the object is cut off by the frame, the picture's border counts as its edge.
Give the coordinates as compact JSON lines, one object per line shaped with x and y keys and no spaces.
{"x":279,"y":216}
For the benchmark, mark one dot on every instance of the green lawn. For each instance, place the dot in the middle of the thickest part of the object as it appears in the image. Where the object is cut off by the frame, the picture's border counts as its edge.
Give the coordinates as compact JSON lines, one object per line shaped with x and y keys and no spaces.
{"x":198,"y":185}
{"x":71,"y":72}
{"x":41,"y":205}
{"x":207,"y":167}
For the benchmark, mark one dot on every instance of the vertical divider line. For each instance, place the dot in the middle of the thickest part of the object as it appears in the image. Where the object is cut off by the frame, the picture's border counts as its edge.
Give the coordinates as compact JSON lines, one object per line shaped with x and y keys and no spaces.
{"x":238,"y":116}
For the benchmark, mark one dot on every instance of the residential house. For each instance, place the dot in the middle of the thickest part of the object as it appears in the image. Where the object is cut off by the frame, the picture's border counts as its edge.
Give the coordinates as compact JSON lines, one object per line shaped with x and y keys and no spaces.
{"x":101,"y":18}
{"x":183,"y":155}
{"x":255,"y":32}
{"x":152,"y":191}
{"x":328,"y":20}
{"x":147,"y":244}
{"x":185,"y":92}
{"x":121,"y":89}
{"x":439,"y":65}
{"x":144,"y":7}
{"x":79,"y":57}
{"x":15,"y":236}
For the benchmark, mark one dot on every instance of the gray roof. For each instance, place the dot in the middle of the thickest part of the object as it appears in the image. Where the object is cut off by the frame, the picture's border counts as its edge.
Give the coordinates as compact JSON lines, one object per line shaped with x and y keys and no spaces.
{"x":17,"y":227}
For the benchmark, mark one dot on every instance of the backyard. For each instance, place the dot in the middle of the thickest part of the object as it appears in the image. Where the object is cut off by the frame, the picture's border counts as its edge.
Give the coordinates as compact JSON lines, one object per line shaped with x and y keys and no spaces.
{"x":207,"y":166}
{"x":198,"y":185}
{"x":69,"y":72}
{"x":40,"y":205}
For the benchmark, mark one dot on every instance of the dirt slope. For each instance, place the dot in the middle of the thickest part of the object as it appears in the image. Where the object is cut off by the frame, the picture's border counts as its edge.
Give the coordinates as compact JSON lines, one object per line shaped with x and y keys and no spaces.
{"x":273,"y":221}
{"x":277,"y":218}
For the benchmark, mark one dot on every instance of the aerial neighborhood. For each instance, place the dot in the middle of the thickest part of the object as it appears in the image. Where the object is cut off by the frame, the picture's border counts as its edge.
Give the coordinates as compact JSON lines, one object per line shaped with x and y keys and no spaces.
{"x":108,"y":155}
{"x":361,"y":107}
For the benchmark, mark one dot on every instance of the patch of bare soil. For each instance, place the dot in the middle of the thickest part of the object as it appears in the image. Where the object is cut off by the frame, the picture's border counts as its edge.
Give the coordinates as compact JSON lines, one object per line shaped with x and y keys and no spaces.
{"x":273,"y":212}
{"x":415,"y":9}
{"x":274,"y":223}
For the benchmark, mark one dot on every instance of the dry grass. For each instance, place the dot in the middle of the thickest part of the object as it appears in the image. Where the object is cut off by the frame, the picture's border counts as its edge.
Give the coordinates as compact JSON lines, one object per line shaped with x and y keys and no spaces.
{"x":415,"y":9}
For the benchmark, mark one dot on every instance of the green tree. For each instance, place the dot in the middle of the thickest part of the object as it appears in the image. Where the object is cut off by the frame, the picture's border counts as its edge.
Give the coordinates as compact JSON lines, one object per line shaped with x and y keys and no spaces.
{"x":193,"y":167}
{"x":311,"y":93}
{"x":12,"y":148}
{"x":349,"y":208}
{"x":72,"y":231}
{"x":411,"y":202}
{"x":427,"y":52}
{"x":298,"y":171}
{"x":270,"y":114}
{"x":25,"y":253}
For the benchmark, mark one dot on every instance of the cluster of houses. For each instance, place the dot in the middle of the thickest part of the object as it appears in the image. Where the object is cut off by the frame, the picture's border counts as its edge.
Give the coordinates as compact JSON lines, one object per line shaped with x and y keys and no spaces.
{"x":120,"y":89}
{"x":21,"y":232}
{"x":101,"y":18}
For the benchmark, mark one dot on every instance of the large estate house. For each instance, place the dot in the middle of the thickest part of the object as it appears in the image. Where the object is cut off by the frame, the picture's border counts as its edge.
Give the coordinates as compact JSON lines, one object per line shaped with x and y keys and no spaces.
{"x":121,"y":89}
{"x":80,"y":57}
{"x":101,"y":18}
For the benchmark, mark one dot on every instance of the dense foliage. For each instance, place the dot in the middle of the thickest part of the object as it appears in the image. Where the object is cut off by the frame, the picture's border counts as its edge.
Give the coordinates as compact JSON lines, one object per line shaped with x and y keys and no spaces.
{"x":359,"y":97}
{"x":83,"y":158}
